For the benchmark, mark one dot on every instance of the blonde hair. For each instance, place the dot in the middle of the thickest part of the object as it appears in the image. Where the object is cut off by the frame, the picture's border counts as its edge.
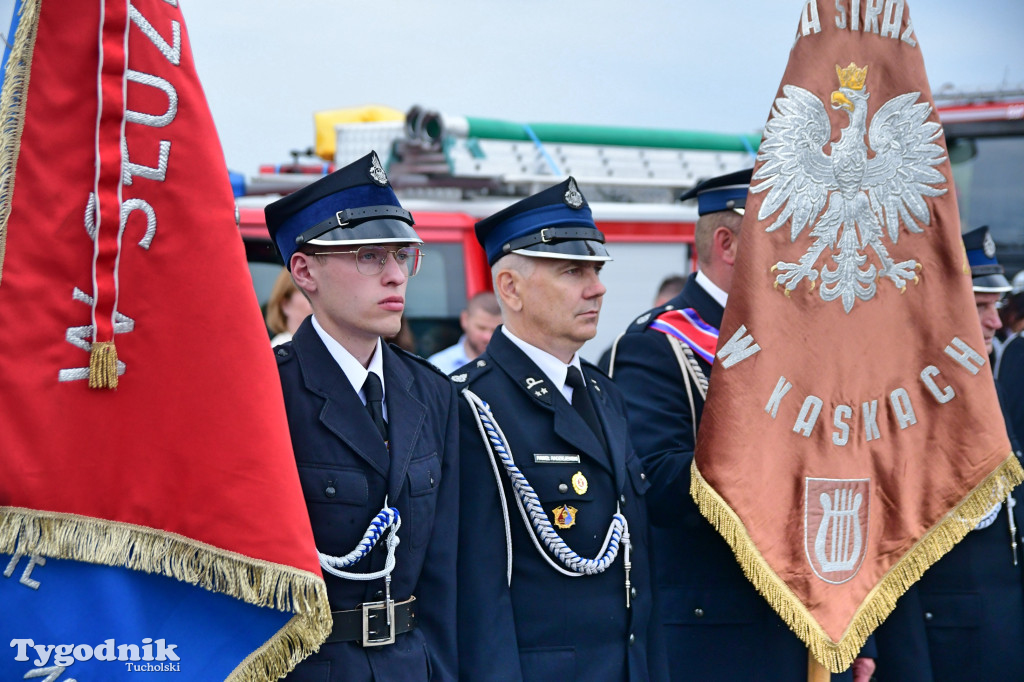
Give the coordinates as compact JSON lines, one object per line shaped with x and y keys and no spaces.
{"x":283,"y":289}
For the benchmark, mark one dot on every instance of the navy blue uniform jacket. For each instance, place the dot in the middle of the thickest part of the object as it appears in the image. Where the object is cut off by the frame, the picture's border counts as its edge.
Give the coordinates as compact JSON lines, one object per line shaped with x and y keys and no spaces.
{"x":548,"y":626}
{"x":1011,"y":378}
{"x":346,"y":471}
{"x":714,"y":623}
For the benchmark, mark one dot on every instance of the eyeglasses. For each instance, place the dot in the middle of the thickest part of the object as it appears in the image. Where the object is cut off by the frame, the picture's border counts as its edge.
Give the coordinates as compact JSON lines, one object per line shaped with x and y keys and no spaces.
{"x":370,"y":260}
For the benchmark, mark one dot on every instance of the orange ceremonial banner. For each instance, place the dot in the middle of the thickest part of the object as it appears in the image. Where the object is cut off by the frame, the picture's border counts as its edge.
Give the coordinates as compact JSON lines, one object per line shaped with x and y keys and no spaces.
{"x":852,"y":434}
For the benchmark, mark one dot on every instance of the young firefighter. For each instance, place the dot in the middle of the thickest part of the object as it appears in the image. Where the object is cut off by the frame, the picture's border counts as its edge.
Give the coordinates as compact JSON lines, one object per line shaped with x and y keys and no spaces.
{"x":374,"y":433}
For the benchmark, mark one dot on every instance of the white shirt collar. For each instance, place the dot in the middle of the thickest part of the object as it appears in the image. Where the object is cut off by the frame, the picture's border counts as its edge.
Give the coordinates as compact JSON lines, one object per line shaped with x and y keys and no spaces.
{"x":713,"y":289}
{"x":553,"y":368}
{"x":353,"y":369}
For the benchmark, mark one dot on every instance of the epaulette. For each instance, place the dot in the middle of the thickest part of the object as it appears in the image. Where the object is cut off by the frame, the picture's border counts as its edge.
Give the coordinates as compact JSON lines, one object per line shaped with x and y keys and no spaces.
{"x":470,"y":371}
{"x":283,"y":352}
{"x":412,"y":356}
{"x":641,"y":323}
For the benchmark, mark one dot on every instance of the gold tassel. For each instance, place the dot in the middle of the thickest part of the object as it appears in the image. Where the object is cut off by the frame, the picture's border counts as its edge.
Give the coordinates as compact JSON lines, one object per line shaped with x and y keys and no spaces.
{"x":103,"y":365}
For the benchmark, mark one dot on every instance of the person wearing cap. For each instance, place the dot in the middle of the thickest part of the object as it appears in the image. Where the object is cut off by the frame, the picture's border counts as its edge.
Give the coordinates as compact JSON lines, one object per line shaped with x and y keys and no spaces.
{"x":374,"y":430}
{"x":964,"y":619}
{"x":553,"y":560}
{"x":714,"y":623}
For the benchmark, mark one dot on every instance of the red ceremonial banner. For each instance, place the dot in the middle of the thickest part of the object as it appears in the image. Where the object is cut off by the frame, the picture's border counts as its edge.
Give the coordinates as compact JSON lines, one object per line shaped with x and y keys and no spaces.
{"x":852,"y":433}
{"x":141,"y":419}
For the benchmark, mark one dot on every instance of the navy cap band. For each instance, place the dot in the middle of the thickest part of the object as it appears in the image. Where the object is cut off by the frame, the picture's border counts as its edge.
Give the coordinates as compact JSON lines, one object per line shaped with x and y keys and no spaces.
{"x":722,"y":199}
{"x":298,"y":222}
{"x":530,"y":223}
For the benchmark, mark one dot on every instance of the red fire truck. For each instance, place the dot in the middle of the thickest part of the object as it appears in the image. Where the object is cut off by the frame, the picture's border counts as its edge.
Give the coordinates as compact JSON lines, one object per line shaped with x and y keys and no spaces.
{"x":451,"y":171}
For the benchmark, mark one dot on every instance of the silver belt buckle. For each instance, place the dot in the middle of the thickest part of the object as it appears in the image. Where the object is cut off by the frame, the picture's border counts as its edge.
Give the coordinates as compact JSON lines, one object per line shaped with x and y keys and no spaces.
{"x":386,"y":608}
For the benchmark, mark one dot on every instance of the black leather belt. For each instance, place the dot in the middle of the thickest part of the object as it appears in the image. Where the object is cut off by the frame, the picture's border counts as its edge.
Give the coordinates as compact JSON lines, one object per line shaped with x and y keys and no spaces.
{"x":368,"y":624}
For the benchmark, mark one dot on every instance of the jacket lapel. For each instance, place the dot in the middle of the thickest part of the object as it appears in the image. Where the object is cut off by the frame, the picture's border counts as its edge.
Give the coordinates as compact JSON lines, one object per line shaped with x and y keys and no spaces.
{"x":615,"y":430}
{"x":343,"y":413}
{"x":568,"y":425}
{"x":406,"y":417}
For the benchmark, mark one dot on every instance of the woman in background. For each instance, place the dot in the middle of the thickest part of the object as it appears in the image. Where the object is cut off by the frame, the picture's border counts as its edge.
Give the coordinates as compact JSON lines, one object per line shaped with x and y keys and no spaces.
{"x":286,"y":309}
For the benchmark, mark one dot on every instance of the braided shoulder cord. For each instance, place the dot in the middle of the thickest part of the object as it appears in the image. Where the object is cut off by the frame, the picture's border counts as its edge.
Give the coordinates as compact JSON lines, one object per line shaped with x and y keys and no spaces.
{"x":691,"y":365}
{"x":533,"y":513}
{"x":388,"y":519}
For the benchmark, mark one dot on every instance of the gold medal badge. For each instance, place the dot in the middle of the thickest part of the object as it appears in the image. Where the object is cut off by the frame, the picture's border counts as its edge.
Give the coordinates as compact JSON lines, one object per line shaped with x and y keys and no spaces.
{"x":579,"y":483}
{"x":565,"y":516}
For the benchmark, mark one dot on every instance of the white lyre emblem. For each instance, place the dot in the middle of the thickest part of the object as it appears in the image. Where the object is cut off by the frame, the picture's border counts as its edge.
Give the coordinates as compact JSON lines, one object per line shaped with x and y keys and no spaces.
{"x":836,"y":526}
{"x":869,"y":192}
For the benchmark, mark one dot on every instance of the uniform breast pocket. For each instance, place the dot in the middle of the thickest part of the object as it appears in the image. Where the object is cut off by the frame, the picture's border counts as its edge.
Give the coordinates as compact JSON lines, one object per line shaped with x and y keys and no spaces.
{"x":637,"y":475}
{"x":424,"y":477}
{"x":337,"y":500}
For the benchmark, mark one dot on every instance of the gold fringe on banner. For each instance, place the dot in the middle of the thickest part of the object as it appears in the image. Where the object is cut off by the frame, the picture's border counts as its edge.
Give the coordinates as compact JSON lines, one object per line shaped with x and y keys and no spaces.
{"x":103,"y":365}
{"x":27,"y":532}
{"x":12,"y":111}
{"x":879,"y":603}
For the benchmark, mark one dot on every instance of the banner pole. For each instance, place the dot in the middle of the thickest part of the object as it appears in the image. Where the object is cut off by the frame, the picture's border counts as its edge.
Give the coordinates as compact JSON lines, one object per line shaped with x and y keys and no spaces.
{"x":816,"y":672}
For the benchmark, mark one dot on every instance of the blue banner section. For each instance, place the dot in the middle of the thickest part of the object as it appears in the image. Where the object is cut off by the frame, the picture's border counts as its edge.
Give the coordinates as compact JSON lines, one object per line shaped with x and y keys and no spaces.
{"x":65,"y":621}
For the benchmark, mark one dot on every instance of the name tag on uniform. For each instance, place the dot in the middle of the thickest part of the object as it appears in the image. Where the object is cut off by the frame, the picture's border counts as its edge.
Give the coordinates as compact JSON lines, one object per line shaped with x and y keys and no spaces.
{"x":556,"y":459}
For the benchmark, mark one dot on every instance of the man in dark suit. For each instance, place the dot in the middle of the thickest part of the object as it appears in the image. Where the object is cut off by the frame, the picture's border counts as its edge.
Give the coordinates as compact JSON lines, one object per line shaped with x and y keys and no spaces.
{"x":714,"y":623}
{"x":374,"y":432}
{"x":964,"y":620}
{"x":553,"y":572}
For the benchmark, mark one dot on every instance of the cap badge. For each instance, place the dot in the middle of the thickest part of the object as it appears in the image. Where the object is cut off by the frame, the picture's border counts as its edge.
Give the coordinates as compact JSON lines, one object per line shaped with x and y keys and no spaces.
{"x":579,"y":483}
{"x":573,"y":198}
{"x":989,"y":246}
{"x":565,"y":516}
{"x":377,"y":173}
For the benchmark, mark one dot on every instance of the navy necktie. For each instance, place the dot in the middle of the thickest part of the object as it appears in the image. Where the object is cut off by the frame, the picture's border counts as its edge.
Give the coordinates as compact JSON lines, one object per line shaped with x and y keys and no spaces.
{"x":374,"y":392}
{"x":582,"y":404}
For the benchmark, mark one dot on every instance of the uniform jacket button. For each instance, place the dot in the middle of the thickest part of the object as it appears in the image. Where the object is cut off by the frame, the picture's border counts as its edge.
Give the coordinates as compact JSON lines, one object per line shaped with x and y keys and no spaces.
{"x":563,"y":488}
{"x":928,"y":615}
{"x":698,"y":612}
{"x":632,"y":638}
{"x":622,"y":499}
{"x":330,"y":491}
{"x":632,"y":592}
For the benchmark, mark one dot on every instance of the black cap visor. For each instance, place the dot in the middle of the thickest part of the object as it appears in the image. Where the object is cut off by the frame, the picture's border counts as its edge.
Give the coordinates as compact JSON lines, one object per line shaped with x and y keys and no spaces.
{"x":570,"y":249}
{"x":991,"y":284}
{"x":384,"y":231}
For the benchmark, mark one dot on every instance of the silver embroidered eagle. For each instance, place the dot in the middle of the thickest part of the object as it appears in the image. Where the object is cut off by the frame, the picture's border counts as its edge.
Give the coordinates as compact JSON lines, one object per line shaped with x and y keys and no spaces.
{"x":863,"y":191}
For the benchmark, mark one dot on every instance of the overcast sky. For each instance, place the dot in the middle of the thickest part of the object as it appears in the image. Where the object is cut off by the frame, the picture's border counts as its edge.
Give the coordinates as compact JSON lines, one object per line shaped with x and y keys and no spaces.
{"x":268,"y":65}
